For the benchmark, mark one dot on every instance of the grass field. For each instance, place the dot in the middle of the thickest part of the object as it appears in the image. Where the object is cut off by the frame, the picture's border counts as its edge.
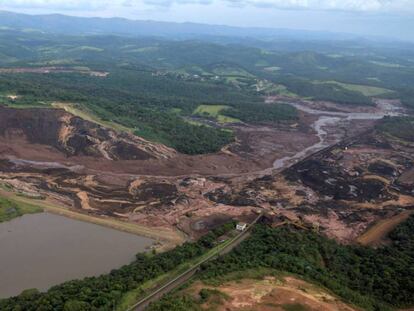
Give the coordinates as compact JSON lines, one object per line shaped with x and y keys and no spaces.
{"x":10,"y":209}
{"x":364,"y":89}
{"x":72,"y":108}
{"x":90,"y":116}
{"x":135,"y":295}
{"x":278,"y":89}
{"x":17,"y":101}
{"x":231,"y":71}
{"x":213,"y":111}
{"x":28,"y":106}
{"x":193,"y":122}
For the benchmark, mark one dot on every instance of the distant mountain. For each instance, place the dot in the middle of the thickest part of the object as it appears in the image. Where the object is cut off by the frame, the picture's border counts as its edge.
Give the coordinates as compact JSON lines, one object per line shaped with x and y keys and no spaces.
{"x":57,"y":23}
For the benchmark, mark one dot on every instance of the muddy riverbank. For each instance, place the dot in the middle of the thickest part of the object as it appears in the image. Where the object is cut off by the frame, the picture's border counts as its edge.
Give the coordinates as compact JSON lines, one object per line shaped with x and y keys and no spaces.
{"x":330,"y":119}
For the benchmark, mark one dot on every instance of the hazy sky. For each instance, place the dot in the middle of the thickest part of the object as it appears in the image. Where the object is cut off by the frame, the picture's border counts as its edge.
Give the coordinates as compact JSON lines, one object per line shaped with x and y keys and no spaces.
{"x":391,"y":18}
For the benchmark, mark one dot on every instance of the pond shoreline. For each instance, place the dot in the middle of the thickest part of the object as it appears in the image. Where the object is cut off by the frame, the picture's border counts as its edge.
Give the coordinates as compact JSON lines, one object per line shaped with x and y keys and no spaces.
{"x":165,"y":239}
{"x":45,"y":249}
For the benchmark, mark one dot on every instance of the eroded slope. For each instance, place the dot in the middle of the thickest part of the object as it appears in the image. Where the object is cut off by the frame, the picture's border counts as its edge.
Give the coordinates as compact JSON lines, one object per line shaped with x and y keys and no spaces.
{"x":72,"y":136}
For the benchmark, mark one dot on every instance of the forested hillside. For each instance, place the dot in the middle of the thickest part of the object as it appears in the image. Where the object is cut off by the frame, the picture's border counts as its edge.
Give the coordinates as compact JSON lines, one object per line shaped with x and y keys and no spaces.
{"x":153,"y":85}
{"x":367,"y":65}
{"x":374,"y":279}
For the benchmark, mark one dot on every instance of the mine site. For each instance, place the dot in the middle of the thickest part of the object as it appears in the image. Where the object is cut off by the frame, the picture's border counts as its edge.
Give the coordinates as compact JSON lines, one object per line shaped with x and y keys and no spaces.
{"x":167,"y":166}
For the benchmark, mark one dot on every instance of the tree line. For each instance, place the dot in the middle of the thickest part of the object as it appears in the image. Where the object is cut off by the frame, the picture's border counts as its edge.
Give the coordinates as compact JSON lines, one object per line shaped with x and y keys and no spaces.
{"x":373,"y":279}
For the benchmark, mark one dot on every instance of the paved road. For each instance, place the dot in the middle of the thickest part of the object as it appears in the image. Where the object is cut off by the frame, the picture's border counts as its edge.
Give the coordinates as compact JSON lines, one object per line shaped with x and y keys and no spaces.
{"x":185,"y":276}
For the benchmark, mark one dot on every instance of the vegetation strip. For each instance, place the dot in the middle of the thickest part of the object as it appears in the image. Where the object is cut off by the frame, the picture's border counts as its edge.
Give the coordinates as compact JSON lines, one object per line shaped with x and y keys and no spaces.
{"x":228,"y":245}
{"x":10,"y":209}
{"x":374,"y":279}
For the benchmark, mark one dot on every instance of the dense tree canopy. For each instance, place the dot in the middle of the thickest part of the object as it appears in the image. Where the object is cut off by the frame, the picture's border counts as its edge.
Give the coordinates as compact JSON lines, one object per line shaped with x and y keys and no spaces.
{"x":374,"y":279}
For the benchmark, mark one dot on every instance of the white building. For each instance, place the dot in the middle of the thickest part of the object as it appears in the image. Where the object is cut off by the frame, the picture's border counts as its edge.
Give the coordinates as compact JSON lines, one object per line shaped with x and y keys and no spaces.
{"x":241,"y":226}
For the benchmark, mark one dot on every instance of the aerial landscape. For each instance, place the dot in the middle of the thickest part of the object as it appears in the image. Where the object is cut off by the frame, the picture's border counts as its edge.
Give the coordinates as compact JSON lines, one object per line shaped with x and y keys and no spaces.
{"x":157,"y":163}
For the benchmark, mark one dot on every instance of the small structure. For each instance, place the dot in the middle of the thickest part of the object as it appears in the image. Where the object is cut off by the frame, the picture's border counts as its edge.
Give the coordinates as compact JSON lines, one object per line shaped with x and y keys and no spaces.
{"x":241,"y":226}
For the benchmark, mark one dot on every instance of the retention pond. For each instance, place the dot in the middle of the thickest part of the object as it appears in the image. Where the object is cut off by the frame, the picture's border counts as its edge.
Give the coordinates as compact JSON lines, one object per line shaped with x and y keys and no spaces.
{"x":42,"y":250}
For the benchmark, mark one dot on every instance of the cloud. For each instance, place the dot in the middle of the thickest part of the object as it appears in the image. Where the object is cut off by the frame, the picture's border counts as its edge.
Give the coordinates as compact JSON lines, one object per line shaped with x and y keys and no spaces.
{"x":59,"y":5}
{"x":323,"y":5}
{"x":343,"y":5}
{"x":167,"y":3}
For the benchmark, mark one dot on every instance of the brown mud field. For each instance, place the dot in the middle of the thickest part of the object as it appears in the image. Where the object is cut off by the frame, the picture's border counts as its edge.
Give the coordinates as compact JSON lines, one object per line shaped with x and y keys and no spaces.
{"x":53,"y":135}
{"x":54,"y":155}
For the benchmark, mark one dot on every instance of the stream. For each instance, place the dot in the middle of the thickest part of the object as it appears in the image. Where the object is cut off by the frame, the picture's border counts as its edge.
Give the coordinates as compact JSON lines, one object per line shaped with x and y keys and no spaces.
{"x":330,"y":118}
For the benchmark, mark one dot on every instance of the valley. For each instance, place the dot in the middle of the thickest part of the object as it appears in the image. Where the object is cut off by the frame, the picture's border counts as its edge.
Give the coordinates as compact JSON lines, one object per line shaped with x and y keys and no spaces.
{"x":332,"y":171}
{"x":131,"y":167}
{"x":63,"y":164}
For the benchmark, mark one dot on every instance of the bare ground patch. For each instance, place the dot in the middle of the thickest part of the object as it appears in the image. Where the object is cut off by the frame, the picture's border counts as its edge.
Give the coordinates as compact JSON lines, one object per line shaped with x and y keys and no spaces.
{"x":269,"y":294}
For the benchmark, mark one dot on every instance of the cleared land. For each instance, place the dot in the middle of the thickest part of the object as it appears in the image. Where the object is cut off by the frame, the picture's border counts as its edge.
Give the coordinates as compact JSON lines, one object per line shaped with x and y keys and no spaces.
{"x":83,"y":113}
{"x":214,"y":111}
{"x":379,"y":231}
{"x":279,"y":293}
{"x":231,"y":71}
{"x":364,"y":89}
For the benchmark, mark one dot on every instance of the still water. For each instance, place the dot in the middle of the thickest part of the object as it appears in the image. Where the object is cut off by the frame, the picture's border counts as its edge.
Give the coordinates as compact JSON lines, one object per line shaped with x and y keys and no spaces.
{"x":42,"y":250}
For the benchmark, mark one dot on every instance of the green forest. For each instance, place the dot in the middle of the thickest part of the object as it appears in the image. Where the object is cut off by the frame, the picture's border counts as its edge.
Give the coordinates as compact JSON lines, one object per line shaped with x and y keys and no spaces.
{"x":135,"y":100}
{"x":154,"y":84}
{"x":146,"y":104}
{"x":10,"y":209}
{"x":373,"y":279}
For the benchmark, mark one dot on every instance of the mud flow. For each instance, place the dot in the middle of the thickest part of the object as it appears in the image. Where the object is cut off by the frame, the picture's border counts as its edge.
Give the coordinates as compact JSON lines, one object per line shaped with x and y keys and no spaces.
{"x":329,"y":171}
